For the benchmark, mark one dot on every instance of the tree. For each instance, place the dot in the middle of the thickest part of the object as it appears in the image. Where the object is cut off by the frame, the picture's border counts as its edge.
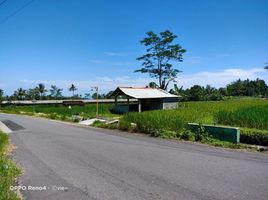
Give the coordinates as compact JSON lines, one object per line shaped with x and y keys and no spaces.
{"x":33,"y":93}
{"x":196,"y":93}
{"x":41,"y":89}
{"x":109,"y":94}
{"x":55,"y":92}
{"x":158,"y":57}
{"x":153,"y":85}
{"x":179,"y":91}
{"x":19,"y":94}
{"x":87,"y":96}
{"x":1,"y":95}
{"x":72,"y":89}
{"x":100,"y":96}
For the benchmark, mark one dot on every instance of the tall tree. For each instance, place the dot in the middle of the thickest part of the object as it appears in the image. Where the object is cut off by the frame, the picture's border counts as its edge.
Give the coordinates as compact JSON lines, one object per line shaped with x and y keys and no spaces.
{"x":20,"y":94}
{"x":72,"y":89}
{"x":159,"y":54}
{"x":42,"y":90}
{"x":1,"y":95}
{"x":33,"y":93}
{"x":55,"y":92}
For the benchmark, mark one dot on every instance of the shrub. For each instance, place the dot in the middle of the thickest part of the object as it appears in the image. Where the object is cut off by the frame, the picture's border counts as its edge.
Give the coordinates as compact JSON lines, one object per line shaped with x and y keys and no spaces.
{"x":168,"y":134}
{"x":253,"y":136}
{"x":53,"y":116}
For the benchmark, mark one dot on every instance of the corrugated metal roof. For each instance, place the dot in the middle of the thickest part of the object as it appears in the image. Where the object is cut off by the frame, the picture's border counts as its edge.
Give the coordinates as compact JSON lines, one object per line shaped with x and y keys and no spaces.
{"x":144,"y":93}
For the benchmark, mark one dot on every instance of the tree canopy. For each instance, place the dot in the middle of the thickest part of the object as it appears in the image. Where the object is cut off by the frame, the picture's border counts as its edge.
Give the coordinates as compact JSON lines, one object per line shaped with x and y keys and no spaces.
{"x":160,"y":52}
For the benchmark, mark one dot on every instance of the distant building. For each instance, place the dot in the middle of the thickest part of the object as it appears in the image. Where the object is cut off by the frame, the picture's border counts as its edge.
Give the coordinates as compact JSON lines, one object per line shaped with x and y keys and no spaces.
{"x":147,"y":99}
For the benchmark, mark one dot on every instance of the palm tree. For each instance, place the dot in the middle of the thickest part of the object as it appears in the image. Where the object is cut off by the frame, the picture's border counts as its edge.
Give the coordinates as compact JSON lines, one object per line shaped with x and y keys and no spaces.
{"x":20,"y":94}
{"x":1,"y":95}
{"x":72,"y":89}
{"x":41,"y":89}
{"x":55,"y":92}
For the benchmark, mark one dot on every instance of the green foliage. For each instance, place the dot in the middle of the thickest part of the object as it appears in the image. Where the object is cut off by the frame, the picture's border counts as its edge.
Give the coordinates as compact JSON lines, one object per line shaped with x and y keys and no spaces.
{"x":60,"y":111}
{"x":55,"y":92}
{"x":104,"y":125}
{"x":3,"y":141}
{"x":251,"y":117}
{"x":247,"y":88}
{"x":156,"y":60}
{"x":254,"y":136}
{"x":172,"y":123}
{"x":8,"y":172}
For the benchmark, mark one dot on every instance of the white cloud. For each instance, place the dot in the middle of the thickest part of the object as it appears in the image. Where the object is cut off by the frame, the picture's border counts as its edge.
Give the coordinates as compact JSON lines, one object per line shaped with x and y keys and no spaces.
{"x":112,"y":63}
{"x":113,"y":54}
{"x":104,"y":83}
{"x":216,"y":79}
{"x":220,"y":78}
{"x":125,"y":53}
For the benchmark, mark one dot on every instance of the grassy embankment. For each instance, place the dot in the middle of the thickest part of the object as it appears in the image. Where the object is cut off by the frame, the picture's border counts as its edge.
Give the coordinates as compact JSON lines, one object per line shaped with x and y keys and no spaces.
{"x":251,"y":115}
{"x":59,"y":111}
{"x":8,"y":171}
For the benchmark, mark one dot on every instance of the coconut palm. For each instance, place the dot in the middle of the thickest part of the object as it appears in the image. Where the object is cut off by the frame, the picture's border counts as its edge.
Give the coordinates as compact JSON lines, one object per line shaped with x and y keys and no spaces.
{"x":20,"y":94}
{"x":55,"y":92}
{"x":41,"y":89}
{"x":72,"y":89}
{"x":1,"y":95}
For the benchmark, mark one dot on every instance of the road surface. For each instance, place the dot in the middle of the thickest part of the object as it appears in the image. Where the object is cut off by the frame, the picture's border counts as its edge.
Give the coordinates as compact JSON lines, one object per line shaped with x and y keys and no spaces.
{"x":71,"y":162}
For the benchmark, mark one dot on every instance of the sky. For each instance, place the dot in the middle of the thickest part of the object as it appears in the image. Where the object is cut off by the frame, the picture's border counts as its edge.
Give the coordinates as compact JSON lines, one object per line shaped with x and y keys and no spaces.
{"x":96,"y":42}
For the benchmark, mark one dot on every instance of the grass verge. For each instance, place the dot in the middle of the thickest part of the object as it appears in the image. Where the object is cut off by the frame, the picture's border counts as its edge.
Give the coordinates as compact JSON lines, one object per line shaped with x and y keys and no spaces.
{"x":8,"y":171}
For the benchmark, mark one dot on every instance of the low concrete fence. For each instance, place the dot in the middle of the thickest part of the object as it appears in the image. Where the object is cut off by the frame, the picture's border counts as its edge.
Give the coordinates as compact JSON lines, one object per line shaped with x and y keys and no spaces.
{"x":91,"y":101}
{"x":230,"y":134}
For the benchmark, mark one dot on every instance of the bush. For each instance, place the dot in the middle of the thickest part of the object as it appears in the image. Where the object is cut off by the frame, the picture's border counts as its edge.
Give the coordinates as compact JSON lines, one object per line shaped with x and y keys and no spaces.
{"x":53,"y":116}
{"x":253,"y":136}
{"x":168,"y":134}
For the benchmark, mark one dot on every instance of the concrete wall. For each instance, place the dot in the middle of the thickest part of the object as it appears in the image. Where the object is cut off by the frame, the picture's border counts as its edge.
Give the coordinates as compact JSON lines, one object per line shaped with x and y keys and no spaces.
{"x":151,"y":104}
{"x":170,"y":103}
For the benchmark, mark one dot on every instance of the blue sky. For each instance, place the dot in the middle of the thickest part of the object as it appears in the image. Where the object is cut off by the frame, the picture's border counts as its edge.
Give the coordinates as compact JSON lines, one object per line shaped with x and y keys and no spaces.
{"x":96,"y":42}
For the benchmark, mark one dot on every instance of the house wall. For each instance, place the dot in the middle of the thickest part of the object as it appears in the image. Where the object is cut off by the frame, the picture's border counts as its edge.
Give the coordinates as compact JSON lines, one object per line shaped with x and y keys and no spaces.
{"x":151,"y":104}
{"x":121,"y":108}
{"x":170,"y":103}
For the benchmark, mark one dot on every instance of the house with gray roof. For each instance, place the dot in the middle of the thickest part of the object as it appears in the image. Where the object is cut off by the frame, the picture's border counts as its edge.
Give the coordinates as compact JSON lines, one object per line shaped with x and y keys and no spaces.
{"x":146,"y":99}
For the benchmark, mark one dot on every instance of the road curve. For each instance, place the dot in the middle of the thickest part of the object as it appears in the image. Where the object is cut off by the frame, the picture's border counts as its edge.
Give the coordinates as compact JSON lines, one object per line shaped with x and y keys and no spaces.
{"x":83,"y":163}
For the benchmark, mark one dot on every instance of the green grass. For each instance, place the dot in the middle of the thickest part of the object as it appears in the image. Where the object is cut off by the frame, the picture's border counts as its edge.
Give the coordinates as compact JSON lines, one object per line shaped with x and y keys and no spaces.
{"x":246,"y":113}
{"x":254,"y":136}
{"x":251,"y":117}
{"x":8,"y":172}
{"x":199,"y":112}
{"x":59,"y":111}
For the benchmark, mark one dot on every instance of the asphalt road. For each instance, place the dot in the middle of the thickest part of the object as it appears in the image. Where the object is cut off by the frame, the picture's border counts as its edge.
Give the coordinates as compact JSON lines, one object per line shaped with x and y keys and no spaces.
{"x":82,"y":163}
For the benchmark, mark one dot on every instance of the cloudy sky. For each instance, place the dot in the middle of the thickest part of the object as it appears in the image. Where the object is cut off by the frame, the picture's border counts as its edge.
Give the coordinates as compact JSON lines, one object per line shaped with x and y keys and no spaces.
{"x":96,"y":42}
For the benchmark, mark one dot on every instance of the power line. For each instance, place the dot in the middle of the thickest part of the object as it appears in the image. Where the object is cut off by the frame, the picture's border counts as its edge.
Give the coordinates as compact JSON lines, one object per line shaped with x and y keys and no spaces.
{"x":16,"y":12}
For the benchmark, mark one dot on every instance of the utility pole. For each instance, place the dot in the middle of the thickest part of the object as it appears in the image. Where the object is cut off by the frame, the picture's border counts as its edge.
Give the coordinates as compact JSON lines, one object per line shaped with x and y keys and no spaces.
{"x":97,"y":100}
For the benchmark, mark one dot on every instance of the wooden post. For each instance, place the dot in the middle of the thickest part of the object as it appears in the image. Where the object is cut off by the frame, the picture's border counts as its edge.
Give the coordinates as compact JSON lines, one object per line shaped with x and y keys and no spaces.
{"x":115,"y":100}
{"x":97,"y":111}
{"x":128,"y":103}
{"x":139,"y":102}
